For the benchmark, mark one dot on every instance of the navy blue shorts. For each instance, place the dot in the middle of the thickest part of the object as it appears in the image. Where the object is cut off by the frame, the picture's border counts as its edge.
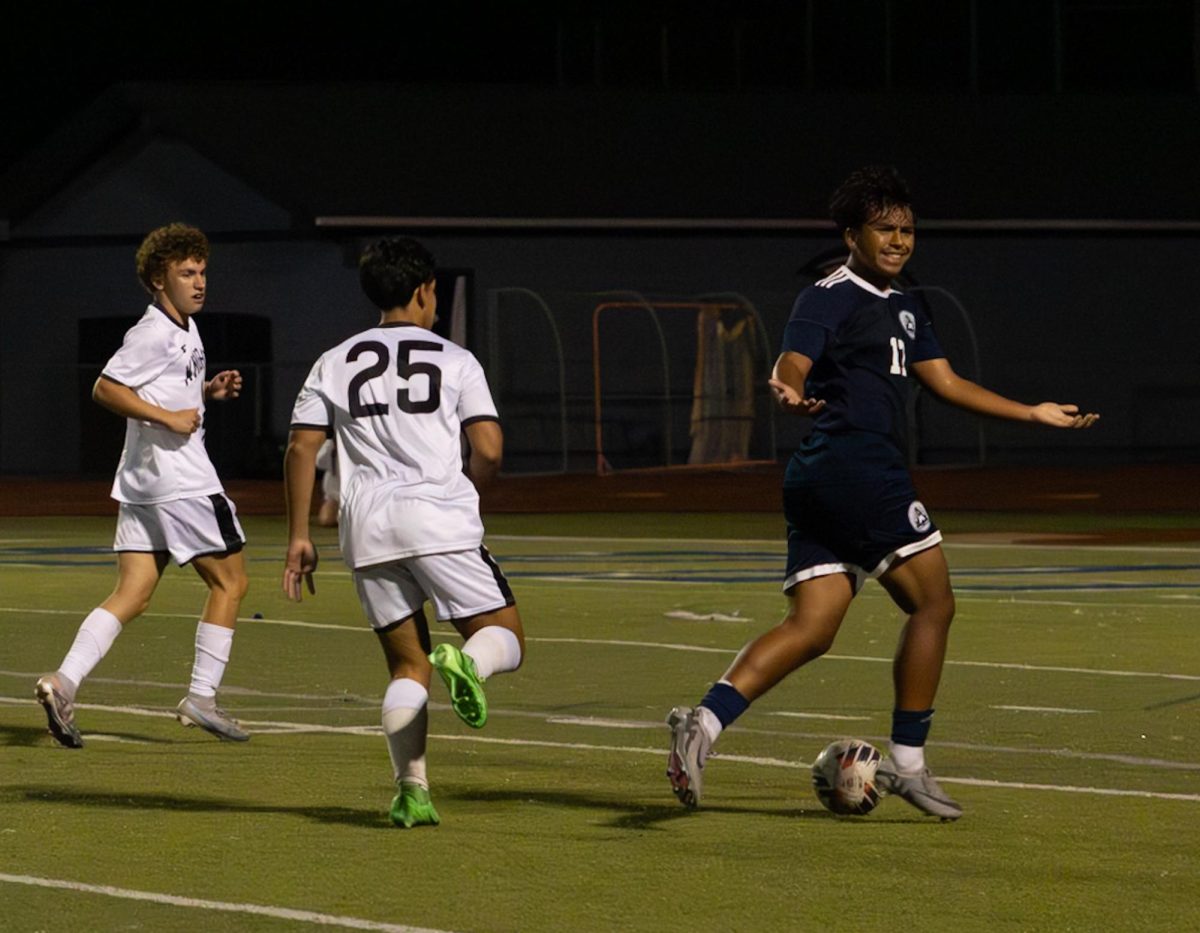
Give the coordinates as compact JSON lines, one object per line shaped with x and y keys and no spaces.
{"x":851,"y":508}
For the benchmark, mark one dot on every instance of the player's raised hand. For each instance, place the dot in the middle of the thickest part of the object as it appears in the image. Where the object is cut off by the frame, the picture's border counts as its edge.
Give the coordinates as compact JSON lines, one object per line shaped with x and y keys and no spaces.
{"x":224,"y":385}
{"x":1062,"y":416}
{"x":791,"y":401}
{"x":184,"y":421}
{"x":302,"y":560}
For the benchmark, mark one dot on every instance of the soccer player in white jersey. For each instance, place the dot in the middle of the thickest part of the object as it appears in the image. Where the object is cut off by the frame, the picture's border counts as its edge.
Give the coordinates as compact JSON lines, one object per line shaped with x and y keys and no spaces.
{"x":396,"y":399}
{"x":172,"y":505}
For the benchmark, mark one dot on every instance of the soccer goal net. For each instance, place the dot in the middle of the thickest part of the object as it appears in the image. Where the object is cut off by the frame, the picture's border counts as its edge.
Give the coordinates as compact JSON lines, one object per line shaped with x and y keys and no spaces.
{"x":618,"y":380}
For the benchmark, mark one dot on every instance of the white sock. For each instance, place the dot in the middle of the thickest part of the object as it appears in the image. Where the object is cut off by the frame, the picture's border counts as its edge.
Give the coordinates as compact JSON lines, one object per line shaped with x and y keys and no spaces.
{"x":494,"y":649}
{"x":405,"y":723}
{"x":908,"y":759}
{"x":213,"y":643}
{"x":709,"y":722}
{"x":95,"y":636}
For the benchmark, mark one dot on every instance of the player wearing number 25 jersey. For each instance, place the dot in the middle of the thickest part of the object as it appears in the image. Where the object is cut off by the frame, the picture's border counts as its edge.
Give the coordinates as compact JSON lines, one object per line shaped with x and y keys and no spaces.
{"x":397,"y":400}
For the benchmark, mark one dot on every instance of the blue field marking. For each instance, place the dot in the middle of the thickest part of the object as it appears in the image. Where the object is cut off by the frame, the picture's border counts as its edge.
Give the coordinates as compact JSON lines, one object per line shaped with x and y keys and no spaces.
{"x":704,"y":566}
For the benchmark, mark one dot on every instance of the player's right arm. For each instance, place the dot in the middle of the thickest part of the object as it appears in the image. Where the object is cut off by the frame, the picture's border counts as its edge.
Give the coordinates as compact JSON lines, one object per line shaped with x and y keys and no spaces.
{"x":299,"y":476}
{"x":787,"y":384}
{"x":123,"y":401}
{"x":487,"y":451}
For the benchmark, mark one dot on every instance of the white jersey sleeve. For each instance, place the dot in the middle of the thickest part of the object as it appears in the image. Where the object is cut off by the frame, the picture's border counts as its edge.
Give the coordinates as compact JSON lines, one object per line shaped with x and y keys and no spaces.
{"x":312,"y":409}
{"x":475,"y":399}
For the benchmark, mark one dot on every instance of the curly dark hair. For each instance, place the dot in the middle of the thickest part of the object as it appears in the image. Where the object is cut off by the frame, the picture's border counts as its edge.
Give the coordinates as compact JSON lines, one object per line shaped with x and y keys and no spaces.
{"x":392,"y":269}
{"x":173,"y":243}
{"x":867,"y":193}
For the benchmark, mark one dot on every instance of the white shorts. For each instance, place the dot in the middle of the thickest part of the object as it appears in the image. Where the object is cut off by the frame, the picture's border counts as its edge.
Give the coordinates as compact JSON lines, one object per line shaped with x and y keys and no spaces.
{"x":186,"y":528}
{"x":461,"y":585}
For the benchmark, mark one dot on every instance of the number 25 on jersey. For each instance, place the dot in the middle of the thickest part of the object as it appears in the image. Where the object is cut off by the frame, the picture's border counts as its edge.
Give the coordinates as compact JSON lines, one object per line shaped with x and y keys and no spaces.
{"x":405,"y":369}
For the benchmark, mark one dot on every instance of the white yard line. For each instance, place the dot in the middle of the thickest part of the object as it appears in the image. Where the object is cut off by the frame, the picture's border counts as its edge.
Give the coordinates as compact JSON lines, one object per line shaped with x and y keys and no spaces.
{"x":1045,"y":709}
{"x":270,"y":727}
{"x":196,"y":903}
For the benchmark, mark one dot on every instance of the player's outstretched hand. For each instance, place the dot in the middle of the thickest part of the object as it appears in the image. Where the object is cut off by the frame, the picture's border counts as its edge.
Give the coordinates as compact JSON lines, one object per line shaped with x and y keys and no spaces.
{"x":791,"y":401}
{"x":301,"y":562}
{"x":224,"y":385}
{"x":184,"y":421}
{"x":1062,"y":416}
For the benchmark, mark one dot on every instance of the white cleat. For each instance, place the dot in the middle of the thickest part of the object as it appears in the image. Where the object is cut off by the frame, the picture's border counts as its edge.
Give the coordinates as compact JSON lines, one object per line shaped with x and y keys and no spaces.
{"x":204,"y":712}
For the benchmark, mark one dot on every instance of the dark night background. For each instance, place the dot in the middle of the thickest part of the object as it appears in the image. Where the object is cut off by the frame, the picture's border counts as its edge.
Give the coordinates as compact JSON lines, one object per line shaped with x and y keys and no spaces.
{"x":666,"y":149}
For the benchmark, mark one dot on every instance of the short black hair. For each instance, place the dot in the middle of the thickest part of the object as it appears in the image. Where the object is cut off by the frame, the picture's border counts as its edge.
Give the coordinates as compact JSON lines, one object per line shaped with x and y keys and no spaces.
{"x":867,"y":193}
{"x":392,"y":269}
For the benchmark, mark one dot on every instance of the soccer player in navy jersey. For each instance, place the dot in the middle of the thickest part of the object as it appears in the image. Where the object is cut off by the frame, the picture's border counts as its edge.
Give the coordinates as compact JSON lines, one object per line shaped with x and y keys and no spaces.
{"x":850,"y":348}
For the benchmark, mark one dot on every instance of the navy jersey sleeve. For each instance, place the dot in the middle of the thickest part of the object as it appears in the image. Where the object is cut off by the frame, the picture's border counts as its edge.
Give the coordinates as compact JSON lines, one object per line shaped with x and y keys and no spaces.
{"x":812,"y":320}
{"x":925,"y":344}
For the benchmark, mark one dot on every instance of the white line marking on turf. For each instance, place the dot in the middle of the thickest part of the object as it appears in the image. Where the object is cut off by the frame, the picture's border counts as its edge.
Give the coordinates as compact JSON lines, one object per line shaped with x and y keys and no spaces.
{"x":999,"y":665}
{"x":821,"y":716}
{"x":282,"y":913}
{"x":294,"y":728}
{"x":1044,"y":709}
{"x":599,"y":722}
{"x":273,"y":727}
{"x":1070,"y":789}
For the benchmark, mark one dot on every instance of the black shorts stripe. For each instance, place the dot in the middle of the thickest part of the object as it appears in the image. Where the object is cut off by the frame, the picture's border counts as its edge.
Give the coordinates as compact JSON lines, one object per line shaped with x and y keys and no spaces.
{"x":225,"y":522}
{"x":501,"y":580}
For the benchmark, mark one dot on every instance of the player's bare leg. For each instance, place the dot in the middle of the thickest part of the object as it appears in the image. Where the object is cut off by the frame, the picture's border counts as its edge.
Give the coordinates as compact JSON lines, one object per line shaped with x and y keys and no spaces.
{"x":919,"y":585}
{"x":138,"y":574}
{"x":815,"y":611}
{"x":406,"y":719}
{"x":225,"y":577}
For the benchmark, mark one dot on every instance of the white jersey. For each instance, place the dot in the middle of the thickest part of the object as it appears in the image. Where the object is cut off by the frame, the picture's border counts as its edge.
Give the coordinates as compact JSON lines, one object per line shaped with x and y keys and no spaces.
{"x":395,"y":399}
{"x":163,"y":362}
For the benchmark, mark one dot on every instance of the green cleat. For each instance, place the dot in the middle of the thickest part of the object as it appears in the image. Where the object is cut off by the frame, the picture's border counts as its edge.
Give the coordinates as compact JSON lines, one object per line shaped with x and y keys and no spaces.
{"x":465,"y":686}
{"x":412,"y":807}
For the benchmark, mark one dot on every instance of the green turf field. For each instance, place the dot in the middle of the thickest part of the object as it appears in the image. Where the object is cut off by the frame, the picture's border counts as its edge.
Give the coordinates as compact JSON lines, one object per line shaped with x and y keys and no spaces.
{"x":1068,"y":728}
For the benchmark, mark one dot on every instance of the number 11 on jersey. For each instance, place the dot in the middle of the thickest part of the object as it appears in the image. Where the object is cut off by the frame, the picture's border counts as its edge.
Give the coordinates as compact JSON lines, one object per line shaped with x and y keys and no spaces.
{"x":899,"y":363}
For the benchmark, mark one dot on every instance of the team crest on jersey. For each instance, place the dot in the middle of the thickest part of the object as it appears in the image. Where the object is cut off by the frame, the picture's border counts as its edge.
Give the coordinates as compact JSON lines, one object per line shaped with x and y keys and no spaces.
{"x":909,"y":322}
{"x":195,"y":366}
{"x":918,"y":517}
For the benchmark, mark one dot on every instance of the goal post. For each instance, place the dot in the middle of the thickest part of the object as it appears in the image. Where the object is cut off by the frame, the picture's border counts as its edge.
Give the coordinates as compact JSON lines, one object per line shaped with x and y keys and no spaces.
{"x":680,"y":383}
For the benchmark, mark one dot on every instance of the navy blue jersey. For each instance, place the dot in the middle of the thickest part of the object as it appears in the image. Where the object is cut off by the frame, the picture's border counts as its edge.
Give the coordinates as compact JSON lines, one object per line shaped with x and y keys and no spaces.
{"x":862,"y":342}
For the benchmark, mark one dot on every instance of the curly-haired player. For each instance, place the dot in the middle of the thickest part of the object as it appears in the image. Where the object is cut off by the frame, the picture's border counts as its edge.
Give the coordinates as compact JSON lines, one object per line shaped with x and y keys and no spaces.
{"x":172,"y":505}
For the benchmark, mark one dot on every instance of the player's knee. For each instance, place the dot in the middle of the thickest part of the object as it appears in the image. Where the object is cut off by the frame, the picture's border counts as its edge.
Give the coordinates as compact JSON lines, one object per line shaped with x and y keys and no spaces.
{"x":945,"y":607}
{"x":234,"y":585}
{"x":808,"y":641}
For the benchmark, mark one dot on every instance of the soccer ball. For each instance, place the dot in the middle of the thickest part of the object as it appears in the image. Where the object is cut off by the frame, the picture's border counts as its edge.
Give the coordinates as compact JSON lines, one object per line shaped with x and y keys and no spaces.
{"x":844,"y":777}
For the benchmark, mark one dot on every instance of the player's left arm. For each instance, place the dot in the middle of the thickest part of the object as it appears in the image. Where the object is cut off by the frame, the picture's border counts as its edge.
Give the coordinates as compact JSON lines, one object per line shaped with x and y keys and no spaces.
{"x":940,"y":378}
{"x":224,"y":385}
{"x":299,"y":477}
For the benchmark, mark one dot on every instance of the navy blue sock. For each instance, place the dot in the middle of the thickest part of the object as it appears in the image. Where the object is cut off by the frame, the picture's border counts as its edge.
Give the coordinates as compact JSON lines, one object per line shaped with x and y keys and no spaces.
{"x":911,"y":726}
{"x":725,"y":702}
